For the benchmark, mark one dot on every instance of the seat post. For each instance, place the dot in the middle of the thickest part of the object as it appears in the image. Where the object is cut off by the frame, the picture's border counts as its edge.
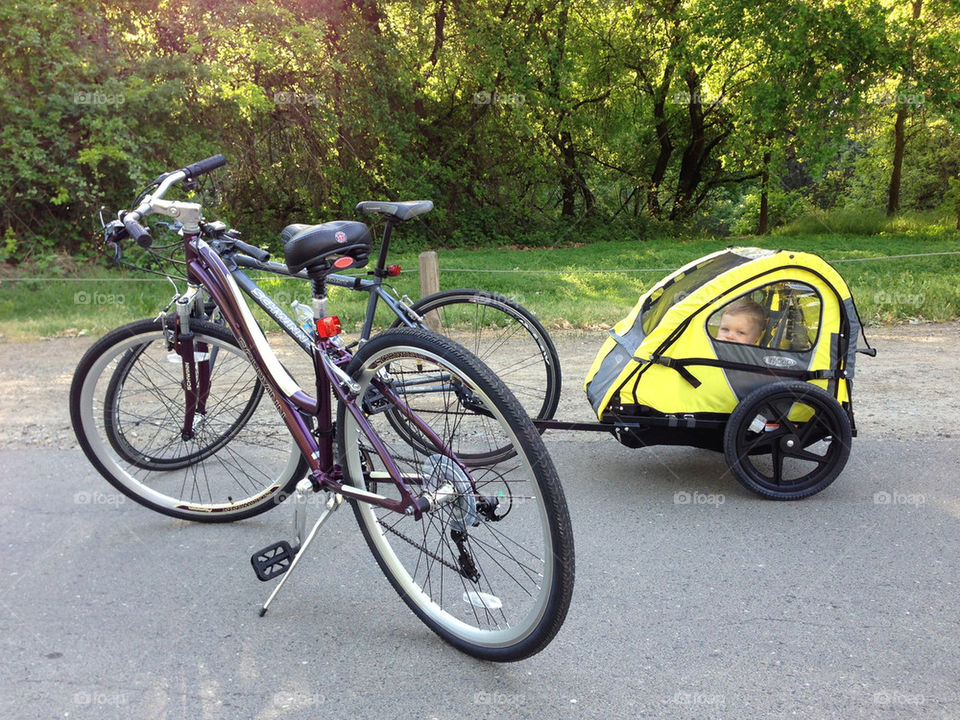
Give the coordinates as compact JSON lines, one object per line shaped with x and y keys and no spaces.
{"x":384,"y":246}
{"x":318,"y":281}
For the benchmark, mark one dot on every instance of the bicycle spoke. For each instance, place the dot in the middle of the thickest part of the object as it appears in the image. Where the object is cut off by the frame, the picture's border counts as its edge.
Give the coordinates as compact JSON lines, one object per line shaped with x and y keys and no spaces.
{"x":478,"y":557}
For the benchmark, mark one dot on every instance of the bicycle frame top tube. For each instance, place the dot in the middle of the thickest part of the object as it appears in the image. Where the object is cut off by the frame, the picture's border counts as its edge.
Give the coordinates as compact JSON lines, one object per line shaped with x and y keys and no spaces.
{"x":256,"y":293}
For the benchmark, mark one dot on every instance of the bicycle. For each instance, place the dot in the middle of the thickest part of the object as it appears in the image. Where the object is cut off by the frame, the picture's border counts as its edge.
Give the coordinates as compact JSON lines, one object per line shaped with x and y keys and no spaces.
{"x":480,"y":549}
{"x":503,"y":334}
{"x":500,"y":332}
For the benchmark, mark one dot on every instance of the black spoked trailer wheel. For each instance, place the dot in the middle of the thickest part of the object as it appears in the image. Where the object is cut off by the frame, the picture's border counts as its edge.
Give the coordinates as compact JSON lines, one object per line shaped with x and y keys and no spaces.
{"x":787,"y":440}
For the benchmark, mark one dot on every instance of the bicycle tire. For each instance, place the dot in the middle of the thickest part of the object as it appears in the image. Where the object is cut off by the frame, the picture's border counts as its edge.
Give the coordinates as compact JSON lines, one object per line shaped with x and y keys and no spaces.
{"x":505,"y":336}
{"x":121,"y":440}
{"x":248,"y":471}
{"x":514,"y":549}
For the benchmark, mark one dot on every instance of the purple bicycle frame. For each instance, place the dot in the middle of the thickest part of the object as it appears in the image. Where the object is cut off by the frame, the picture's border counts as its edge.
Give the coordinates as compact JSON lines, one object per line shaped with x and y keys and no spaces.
{"x":205,"y":267}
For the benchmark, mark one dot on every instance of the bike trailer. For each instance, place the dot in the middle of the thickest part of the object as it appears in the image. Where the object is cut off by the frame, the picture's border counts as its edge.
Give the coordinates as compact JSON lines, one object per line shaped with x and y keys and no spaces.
{"x":668,"y":356}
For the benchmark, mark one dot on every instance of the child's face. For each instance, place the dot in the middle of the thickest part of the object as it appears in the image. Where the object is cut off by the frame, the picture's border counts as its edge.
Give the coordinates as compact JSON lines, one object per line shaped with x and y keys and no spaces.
{"x":738,"y":328}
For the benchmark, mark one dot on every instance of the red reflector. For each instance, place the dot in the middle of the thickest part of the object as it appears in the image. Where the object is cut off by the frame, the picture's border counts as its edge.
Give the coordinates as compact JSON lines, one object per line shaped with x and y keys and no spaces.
{"x":343,"y":262}
{"x":328,"y":327}
{"x":393,"y":270}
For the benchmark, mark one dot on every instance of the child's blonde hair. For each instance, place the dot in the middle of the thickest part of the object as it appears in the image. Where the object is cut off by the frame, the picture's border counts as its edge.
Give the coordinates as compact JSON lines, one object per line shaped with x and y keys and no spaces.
{"x":750,"y":308}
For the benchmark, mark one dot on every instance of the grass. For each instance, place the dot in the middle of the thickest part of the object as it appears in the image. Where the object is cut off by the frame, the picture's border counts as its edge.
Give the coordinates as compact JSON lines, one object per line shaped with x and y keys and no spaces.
{"x":582,"y":287}
{"x":862,"y":221}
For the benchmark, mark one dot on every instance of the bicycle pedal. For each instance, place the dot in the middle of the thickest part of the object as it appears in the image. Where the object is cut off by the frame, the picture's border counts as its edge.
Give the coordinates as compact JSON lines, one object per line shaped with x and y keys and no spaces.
{"x":273,"y":561}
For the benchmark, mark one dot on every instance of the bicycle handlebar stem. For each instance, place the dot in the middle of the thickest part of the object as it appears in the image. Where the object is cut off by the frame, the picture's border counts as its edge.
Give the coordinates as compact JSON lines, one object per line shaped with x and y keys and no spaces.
{"x":187,"y":213}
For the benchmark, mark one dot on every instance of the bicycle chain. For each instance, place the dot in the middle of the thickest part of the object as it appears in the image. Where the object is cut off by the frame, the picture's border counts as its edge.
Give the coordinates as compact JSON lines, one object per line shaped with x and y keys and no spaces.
{"x":414,"y":543}
{"x":420,"y":547}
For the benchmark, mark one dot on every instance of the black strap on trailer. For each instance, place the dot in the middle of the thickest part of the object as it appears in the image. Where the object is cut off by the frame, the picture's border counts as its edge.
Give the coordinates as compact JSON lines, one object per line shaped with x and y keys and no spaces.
{"x":681,"y":367}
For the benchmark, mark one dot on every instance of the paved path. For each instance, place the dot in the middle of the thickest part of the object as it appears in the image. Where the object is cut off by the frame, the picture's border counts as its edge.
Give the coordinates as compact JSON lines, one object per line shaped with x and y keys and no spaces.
{"x":694,"y":599}
{"x":843,"y":605}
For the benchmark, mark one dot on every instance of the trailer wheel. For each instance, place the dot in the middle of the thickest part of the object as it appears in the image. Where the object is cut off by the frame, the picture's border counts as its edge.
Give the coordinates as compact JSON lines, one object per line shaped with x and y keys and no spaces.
{"x":787,"y":440}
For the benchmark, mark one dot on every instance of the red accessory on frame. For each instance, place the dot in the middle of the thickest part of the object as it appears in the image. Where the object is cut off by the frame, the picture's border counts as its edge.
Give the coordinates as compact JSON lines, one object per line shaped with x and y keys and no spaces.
{"x":328,"y":327}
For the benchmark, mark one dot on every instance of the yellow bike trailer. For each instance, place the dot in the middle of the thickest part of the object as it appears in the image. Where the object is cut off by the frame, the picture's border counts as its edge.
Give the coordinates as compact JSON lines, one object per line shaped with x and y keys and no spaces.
{"x":777,"y":399}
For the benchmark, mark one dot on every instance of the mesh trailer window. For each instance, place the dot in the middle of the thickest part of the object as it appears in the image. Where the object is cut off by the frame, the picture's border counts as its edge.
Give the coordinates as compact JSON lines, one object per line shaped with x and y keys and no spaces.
{"x":682,"y":286}
{"x":783,"y":315}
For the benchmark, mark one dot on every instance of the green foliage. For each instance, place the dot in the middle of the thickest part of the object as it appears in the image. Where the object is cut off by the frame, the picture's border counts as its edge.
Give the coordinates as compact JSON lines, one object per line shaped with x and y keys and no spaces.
{"x":861,"y":222}
{"x":527,"y":124}
{"x":951,"y":201}
{"x":9,"y":248}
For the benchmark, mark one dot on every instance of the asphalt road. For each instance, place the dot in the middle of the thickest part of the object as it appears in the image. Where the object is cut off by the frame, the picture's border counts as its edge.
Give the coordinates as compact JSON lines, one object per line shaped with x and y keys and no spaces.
{"x":693,"y":599}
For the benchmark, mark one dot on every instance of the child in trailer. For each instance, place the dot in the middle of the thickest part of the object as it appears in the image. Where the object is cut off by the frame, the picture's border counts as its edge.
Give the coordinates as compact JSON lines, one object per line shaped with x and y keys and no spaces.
{"x":742,"y":322}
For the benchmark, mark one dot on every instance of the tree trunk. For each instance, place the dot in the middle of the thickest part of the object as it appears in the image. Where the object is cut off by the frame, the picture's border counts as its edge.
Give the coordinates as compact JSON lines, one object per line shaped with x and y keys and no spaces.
{"x":568,"y":177}
{"x":439,"y":21}
{"x":666,"y":145}
{"x":899,"y":139}
{"x":893,"y":194}
{"x":763,"y":221}
{"x":663,"y":160}
{"x":690,"y":164}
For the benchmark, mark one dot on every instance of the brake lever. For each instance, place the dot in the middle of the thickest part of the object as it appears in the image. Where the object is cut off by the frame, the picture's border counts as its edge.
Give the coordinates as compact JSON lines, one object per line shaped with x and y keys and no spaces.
{"x":113,"y":232}
{"x":173,"y":227}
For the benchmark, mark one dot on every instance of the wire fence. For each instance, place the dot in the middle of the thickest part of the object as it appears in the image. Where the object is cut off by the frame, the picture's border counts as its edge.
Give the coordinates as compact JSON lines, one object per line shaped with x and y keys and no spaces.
{"x":489,"y":271}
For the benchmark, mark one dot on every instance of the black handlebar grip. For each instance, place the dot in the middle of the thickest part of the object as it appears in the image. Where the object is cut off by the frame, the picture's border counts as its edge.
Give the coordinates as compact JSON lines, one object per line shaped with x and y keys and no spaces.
{"x":205,"y":166}
{"x":251,"y":250}
{"x":139,"y":233}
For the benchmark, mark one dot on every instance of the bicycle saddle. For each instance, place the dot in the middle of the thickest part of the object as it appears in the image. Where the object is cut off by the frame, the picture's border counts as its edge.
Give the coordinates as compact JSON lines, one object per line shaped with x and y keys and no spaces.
{"x":314,"y":246}
{"x":397,"y":210}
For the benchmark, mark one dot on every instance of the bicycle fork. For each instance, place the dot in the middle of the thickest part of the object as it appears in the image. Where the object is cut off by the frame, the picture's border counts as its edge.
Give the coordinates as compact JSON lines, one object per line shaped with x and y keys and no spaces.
{"x":196,"y":361}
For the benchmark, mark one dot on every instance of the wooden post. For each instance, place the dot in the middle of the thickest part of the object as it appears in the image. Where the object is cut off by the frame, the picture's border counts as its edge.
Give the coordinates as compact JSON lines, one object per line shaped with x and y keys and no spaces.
{"x":430,"y":284}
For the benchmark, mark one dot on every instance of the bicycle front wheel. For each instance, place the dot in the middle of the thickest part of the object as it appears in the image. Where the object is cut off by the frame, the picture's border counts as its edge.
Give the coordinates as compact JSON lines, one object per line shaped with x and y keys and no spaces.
{"x":490,"y":566}
{"x":506,"y":337}
{"x":123,"y":428}
{"x":127,"y":405}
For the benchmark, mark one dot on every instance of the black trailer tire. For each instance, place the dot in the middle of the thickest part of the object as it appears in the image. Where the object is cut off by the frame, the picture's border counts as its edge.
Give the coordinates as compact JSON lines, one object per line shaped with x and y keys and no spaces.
{"x":782,"y":458}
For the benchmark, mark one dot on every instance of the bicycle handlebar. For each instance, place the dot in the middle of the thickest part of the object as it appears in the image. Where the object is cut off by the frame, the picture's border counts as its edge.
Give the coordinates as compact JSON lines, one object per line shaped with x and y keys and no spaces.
{"x":251,"y":250}
{"x":204,"y":166}
{"x":131,"y":220}
{"x":137,"y":231}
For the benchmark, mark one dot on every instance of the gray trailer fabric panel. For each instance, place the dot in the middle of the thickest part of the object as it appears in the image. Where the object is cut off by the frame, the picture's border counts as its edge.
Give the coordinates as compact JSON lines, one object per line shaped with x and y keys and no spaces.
{"x":612,"y":365}
{"x":855,"y":328}
{"x":742,"y":382}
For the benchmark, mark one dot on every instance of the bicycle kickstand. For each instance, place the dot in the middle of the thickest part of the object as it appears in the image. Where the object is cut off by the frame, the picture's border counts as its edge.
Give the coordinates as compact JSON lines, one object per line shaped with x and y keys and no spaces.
{"x":281,"y":558}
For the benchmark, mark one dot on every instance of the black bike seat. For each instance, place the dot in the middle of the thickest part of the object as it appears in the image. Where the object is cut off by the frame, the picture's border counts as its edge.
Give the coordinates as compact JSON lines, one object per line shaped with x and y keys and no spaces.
{"x":397,"y":210}
{"x":308,"y":246}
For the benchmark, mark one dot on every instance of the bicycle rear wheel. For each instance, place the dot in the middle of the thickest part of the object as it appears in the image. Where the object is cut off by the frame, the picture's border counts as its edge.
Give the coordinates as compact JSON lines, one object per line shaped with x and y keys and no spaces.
{"x":506,"y":337}
{"x":127,"y":406}
{"x":490,"y":567}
